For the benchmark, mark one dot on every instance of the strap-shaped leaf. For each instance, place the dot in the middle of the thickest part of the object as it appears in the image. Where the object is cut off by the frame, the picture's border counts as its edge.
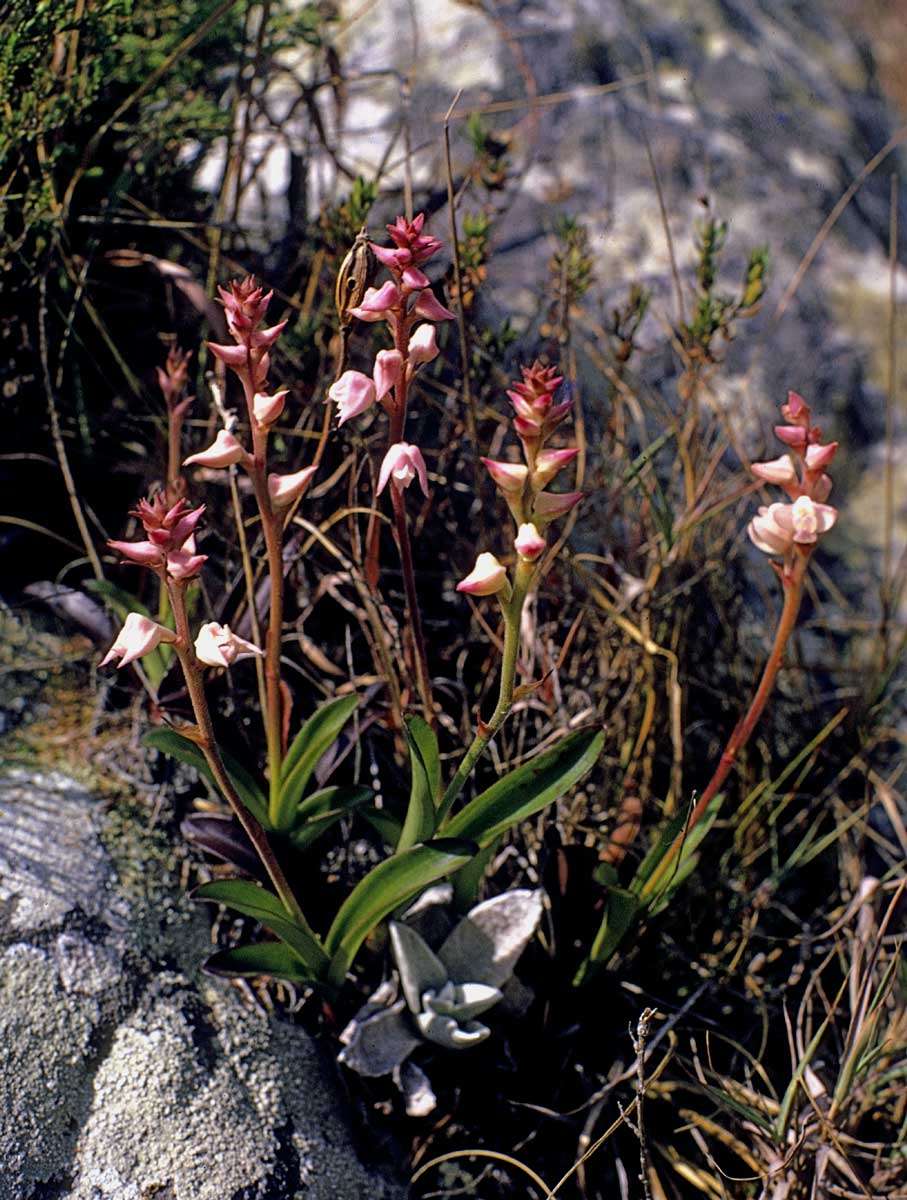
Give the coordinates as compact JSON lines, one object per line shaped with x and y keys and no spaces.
{"x":621,"y":911}
{"x":425,"y":767}
{"x":322,"y":810}
{"x":387,"y":886}
{"x":253,"y":901}
{"x":526,"y":790}
{"x":310,"y":743}
{"x":385,"y":824}
{"x":183,"y":750}
{"x":260,"y":958}
{"x":121,"y":603}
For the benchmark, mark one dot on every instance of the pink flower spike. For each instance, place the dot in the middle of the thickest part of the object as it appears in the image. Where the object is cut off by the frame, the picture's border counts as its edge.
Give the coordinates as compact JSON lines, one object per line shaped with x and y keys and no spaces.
{"x":423,"y":345}
{"x":224,"y":451}
{"x":138,"y":637}
{"x":509,"y":477}
{"x":551,"y":505}
{"x":804,"y":520}
{"x":780,"y":470}
{"x":767,"y":534}
{"x":144,"y":553}
{"x":487,"y":578}
{"x":234,"y":356}
{"x":353,"y":393}
{"x":377,"y":303}
{"x":549,"y":462}
{"x":403,"y":463}
{"x":284,"y":489}
{"x":529,"y":543}
{"x":185,"y":563}
{"x":819,"y":457}
{"x":267,"y":337}
{"x":415,"y":279}
{"x":184,"y":528}
{"x":792,"y":435}
{"x":429,"y":307}
{"x":387,"y":372}
{"x":218,"y":646}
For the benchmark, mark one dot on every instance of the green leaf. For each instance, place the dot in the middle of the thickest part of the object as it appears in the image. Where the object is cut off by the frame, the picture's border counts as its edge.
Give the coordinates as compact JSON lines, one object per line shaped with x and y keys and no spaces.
{"x":528,"y":789}
{"x":310,"y":743}
{"x":253,"y":901}
{"x":261,"y":958}
{"x":425,"y":767}
{"x":385,"y":824}
{"x":386,"y":886}
{"x":322,"y":810}
{"x":121,"y":603}
{"x":620,"y":914}
{"x":180,"y":748}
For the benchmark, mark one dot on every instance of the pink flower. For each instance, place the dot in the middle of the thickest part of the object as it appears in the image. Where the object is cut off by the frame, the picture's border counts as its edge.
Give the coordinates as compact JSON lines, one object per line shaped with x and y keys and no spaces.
{"x":233,"y":356}
{"x":218,"y":646}
{"x":766,"y":533}
{"x":804,"y":520}
{"x":224,"y":451}
{"x":551,"y":505}
{"x":266,"y":409}
{"x":819,"y":457}
{"x":403,"y":463}
{"x":138,"y":637}
{"x":377,"y":303}
{"x":529,"y":543}
{"x":284,"y":489}
{"x":821,"y":489}
{"x":780,"y":470}
{"x":394,"y":260}
{"x":509,"y":477}
{"x":353,"y":393}
{"x":549,"y":462}
{"x":185,"y":564}
{"x":794,"y":436}
{"x":415,"y":279}
{"x":796,"y":410}
{"x":487,"y":578}
{"x":423,"y":345}
{"x":145,"y":553}
{"x":267,"y":337}
{"x":429,"y":307}
{"x":388,"y":371}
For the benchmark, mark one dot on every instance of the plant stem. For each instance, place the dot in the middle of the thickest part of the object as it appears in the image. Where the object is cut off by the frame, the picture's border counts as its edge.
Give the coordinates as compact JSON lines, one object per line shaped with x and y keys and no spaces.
{"x":513,"y":612}
{"x":793,"y":596}
{"x":206,"y":742}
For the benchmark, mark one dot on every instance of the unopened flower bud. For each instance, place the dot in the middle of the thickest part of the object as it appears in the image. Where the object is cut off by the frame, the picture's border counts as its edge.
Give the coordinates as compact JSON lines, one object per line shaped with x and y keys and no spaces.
{"x":387,"y":372}
{"x":509,"y":477}
{"x":551,"y":505}
{"x":794,"y":436}
{"x":266,"y":409}
{"x":487,"y":578}
{"x":529,"y":543}
{"x":377,"y":304}
{"x":431,"y":309}
{"x":549,"y":462}
{"x":819,"y":457}
{"x":218,"y":646}
{"x":779,"y":470}
{"x":224,"y":451}
{"x":138,"y":637}
{"x":284,"y":489}
{"x":423,"y":345}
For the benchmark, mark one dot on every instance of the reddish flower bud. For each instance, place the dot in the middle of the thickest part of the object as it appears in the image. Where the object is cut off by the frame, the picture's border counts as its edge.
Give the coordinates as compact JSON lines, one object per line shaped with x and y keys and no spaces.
{"x":487,"y":578}
{"x":284,"y":489}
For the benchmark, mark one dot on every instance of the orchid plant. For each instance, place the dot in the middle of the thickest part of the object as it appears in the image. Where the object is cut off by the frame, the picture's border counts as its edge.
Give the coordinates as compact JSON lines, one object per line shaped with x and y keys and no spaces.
{"x":432,"y":841}
{"x":789,"y":532}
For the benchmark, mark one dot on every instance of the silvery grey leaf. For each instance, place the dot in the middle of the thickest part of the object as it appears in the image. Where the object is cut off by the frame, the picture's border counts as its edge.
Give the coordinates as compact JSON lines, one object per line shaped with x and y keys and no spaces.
{"x":485,"y":945}
{"x":379,"y":1037}
{"x":418,"y":1095}
{"x":461,"y":1001}
{"x":447,"y":1032}
{"x":420,"y":968}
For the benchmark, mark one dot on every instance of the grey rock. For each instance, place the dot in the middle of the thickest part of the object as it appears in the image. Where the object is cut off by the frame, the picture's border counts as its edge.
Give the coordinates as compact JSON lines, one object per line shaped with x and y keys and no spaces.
{"x":124,"y":1072}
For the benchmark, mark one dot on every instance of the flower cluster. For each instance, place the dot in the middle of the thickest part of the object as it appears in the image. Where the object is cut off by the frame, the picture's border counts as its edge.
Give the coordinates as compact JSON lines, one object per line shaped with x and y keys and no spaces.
{"x":401,"y":301}
{"x":789,"y":529}
{"x":523,"y":484}
{"x":246,"y":304}
{"x":172,"y":380}
{"x":170,"y":546}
